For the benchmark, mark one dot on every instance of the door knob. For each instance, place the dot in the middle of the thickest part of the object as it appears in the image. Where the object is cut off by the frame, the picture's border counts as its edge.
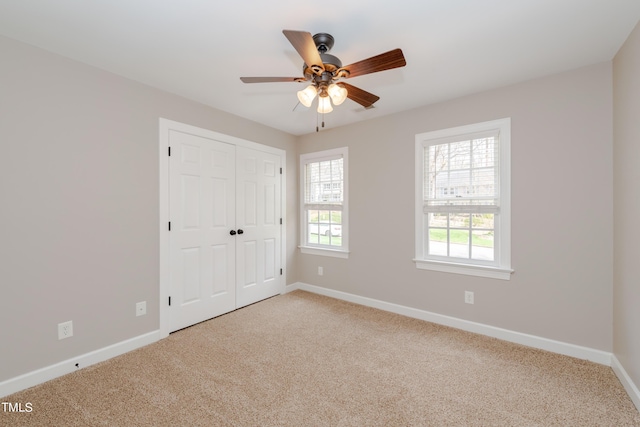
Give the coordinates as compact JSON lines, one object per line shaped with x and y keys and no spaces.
{"x":232,"y":232}
{"x":240,"y":231}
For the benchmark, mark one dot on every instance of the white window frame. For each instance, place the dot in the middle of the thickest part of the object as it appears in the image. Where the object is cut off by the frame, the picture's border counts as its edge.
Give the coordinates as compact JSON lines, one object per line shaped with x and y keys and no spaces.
{"x":317,"y":249}
{"x":500,"y":268}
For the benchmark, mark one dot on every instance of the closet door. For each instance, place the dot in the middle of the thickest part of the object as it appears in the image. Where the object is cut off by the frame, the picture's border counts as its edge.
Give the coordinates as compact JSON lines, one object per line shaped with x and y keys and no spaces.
{"x":258,"y":215}
{"x":202,"y":251}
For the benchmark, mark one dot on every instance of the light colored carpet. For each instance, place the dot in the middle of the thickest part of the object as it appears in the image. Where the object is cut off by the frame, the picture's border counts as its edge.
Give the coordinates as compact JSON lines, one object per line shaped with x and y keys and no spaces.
{"x":306,"y":360}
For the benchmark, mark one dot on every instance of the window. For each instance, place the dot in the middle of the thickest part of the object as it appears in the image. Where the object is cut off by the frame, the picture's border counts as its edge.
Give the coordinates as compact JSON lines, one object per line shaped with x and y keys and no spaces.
{"x":323,"y":216}
{"x":463,"y":200}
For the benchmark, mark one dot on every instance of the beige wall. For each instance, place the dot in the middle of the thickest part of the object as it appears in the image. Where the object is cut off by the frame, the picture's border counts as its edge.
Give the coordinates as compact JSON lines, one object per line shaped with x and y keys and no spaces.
{"x":626,"y":290}
{"x":79,"y":203}
{"x":562,"y":199}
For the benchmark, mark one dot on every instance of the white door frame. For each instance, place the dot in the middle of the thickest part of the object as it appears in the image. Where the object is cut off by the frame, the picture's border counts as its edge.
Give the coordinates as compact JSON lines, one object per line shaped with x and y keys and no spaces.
{"x":165,"y":127}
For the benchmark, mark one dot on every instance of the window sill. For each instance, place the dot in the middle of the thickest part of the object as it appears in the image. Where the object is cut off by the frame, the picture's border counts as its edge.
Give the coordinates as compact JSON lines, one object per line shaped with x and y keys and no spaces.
{"x":324,"y":252}
{"x":467,"y":269}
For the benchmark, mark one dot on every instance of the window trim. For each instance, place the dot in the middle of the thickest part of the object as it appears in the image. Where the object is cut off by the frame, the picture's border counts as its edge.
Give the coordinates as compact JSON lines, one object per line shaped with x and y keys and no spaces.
{"x":502,"y":267}
{"x":314,"y":157}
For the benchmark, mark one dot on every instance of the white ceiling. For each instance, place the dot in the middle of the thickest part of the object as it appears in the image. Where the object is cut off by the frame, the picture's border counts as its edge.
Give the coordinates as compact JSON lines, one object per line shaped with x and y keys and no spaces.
{"x":200,"y":48}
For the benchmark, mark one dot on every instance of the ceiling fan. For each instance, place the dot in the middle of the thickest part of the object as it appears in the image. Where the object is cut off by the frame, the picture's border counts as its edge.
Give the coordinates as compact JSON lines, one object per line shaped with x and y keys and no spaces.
{"x":324,"y":72}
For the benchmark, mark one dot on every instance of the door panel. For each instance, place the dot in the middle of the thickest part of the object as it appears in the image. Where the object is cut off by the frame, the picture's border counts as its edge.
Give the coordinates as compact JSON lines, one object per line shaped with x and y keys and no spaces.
{"x":219,"y":189}
{"x":202,"y":212}
{"x":220,"y":268}
{"x":269,"y":259}
{"x":258,"y":256}
{"x":249,"y":264}
{"x":190,"y":275}
{"x":250,"y":204}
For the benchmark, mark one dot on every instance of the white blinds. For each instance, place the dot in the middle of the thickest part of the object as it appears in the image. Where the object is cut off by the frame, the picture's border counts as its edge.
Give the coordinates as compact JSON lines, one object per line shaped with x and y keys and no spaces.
{"x":462,"y":174}
{"x":324,"y":188}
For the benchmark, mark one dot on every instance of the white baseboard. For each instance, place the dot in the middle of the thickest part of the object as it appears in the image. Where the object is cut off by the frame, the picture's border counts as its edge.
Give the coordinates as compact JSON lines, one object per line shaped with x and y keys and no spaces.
{"x":626,"y":381}
{"x":585,"y":353}
{"x":42,"y":375}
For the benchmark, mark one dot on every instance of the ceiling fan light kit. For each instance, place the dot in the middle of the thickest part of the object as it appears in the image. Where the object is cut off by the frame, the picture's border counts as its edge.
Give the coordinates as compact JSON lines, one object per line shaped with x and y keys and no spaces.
{"x":323,"y":71}
{"x":306,"y":95}
{"x":337,"y":93}
{"x":324,"y":105}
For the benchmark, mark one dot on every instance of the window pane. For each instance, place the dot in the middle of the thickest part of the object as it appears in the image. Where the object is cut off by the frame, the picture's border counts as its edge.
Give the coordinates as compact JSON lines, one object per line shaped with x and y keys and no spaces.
{"x":334,"y":232}
{"x":336,"y":217}
{"x":482,"y":246}
{"x":484,"y":182}
{"x":460,"y":155}
{"x":314,"y":172}
{"x":483,"y":231}
{"x":337,"y":170}
{"x":484,"y":152}
{"x":459,"y":243}
{"x":460,"y":182}
{"x":483,"y":221}
{"x":325,"y":227}
{"x":459,"y":220}
{"x":312,"y":226}
{"x":324,"y":182}
{"x":437,"y":160}
{"x":437,"y":219}
{"x":437,"y":241}
{"x":313,"y":216}
{"x":461,"y":169}
{"x":325,"y":171}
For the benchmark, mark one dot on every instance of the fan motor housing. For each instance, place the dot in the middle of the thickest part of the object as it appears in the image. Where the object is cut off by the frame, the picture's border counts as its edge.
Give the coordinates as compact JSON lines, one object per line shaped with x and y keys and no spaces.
{"x":331,"y":64}
{"x":324,"y":42}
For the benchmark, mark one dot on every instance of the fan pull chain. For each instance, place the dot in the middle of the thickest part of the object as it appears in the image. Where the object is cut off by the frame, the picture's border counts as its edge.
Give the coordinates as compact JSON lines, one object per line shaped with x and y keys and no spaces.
{"x":318,"y":119}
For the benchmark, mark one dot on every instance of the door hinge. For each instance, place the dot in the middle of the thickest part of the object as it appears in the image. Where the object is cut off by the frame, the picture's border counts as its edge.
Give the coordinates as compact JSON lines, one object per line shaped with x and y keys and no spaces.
{"x":281,"y":272}
{"x":169,"y":151}
{"x":280,"y":171}
{"x":169,"y":301}
{"x":169,"y":225}
{"x":280,"y":221}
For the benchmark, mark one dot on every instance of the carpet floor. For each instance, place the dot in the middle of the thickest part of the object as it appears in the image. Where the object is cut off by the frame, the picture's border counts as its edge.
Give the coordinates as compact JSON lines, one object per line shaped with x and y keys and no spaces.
{"x":302,"y":359}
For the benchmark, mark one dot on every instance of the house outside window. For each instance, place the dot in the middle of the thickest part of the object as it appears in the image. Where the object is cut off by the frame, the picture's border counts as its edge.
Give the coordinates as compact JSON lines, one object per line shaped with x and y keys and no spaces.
{"x":463,"y":200}
{"x":324,"y":213}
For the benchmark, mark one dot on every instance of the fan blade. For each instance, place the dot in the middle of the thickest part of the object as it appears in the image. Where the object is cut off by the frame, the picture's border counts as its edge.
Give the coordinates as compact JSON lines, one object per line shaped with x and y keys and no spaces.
{"x":384,"y":61}
{"x":360,"y":96}
{"x":271,"y":79}
{"x":303,"y":42}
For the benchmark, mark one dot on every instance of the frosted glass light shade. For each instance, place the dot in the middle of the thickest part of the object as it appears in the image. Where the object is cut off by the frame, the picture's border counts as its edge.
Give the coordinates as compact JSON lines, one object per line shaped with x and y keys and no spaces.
{"x":306,"y":95}
{"x":337,"y":93}
{"x":324,"y":105}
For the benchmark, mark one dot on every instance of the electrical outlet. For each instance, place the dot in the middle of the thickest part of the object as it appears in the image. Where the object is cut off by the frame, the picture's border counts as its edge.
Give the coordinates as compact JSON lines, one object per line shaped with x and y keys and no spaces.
{"x":65,"y":330}
{"x":468,"y":297}
{"x":320,"y":271}
{"x":141,"y":308}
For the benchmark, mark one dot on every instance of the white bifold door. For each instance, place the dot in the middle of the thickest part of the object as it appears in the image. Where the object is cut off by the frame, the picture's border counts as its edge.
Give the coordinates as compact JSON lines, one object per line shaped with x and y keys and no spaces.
{"x":225,"y":229}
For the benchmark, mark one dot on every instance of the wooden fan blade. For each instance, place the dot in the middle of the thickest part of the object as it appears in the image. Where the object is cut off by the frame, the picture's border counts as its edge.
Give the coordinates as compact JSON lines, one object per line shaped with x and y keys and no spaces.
{"x":384,"y":61}
{"x":303,"y":42}
{"x":360,"y":96}
{"x":271,"y":79}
